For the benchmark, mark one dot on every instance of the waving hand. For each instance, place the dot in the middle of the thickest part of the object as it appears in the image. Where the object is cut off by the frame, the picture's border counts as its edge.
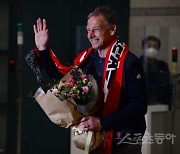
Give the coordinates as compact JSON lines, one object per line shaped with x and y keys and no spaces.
{"x":41,"y":34}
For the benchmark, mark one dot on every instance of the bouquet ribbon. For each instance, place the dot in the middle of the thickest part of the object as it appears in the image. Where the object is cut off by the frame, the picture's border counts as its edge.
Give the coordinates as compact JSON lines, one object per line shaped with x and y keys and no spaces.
{"x":88,"y":142}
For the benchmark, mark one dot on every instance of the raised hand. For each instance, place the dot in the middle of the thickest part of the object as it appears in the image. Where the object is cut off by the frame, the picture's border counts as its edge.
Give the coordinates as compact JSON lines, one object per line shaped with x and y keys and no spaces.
{"x":41,"y":34}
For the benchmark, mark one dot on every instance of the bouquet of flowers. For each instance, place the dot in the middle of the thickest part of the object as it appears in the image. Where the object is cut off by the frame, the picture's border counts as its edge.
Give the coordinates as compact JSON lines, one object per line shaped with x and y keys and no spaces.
{"x":68,"y":101}
{"x":79,"y":88}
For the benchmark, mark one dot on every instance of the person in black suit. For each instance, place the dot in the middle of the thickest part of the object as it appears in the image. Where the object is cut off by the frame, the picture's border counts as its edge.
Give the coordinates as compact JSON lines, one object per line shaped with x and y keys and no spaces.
{"x":128,"y":122}
{"x":157,"y":72}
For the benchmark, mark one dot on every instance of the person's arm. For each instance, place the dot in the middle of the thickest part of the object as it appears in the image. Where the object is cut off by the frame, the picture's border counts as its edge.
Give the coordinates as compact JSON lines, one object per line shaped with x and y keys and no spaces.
{"x":45,"y":54}
{"x":166,"y":70}
{"x":136,"y":108}
{"x":49,"y":66}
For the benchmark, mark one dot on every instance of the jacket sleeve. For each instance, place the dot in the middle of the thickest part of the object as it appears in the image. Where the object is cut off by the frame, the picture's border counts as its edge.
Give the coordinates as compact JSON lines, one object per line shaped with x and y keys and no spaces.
{"x":133,"y":108}
{"x":49,"y":65}
{"x":53,"y":67}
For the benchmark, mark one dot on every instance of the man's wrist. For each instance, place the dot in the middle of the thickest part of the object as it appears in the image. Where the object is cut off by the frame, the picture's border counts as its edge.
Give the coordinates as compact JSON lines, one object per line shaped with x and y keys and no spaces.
{"x":41,"y":48}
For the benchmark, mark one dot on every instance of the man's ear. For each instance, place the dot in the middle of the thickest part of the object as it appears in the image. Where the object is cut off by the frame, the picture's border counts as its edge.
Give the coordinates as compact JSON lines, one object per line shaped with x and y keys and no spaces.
{"x":113,"y":30}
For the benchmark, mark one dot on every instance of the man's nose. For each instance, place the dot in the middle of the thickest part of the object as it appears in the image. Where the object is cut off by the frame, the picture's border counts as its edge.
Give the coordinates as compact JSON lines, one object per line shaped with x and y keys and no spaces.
{"x":91,"y":34}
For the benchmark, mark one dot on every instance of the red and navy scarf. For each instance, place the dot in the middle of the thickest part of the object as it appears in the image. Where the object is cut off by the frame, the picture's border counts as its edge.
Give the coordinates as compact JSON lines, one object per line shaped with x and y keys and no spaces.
{"x":112,"y":86}
{"x":111,"y":82}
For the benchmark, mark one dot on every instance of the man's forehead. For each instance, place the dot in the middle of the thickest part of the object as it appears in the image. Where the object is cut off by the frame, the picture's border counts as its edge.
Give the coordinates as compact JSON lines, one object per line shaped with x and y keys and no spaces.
{"x":96,"y":21}
{"x":151,"y":42}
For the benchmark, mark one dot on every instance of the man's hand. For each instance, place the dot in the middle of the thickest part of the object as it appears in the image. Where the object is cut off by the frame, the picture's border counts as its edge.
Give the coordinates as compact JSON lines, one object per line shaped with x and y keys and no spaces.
{"x":90,"y":123}
{"x":41,"y":34}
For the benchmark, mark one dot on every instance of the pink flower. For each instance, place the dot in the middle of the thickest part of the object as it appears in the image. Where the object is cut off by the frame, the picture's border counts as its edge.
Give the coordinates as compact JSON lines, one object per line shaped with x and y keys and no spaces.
{"x":72,"y":82}
{"x":85,"y":89}
{"x":84,"y":76}
{"x":71,"y":95}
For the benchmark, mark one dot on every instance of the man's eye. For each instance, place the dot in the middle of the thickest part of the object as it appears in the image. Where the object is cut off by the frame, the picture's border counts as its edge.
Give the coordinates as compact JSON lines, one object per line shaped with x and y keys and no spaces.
{"x":96,"y":29}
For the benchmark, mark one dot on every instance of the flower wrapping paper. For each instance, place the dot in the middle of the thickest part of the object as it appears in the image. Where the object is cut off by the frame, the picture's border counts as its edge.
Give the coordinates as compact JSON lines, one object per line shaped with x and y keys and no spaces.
{"x":67,"y":113}
{"x":59,"y":112}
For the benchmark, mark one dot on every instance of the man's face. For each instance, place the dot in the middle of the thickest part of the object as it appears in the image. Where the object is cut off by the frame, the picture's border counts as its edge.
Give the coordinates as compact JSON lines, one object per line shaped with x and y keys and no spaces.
{"x":151,"y":49}
{"x":98,"y":32}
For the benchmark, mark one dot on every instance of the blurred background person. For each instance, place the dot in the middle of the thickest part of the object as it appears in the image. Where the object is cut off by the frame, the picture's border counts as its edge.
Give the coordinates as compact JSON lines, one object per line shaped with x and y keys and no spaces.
{"x":157,"y":72}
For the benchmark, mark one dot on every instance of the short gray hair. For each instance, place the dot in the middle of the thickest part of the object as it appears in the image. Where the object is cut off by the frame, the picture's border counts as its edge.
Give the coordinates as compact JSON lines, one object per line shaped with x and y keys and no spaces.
{"x":109,"y":14}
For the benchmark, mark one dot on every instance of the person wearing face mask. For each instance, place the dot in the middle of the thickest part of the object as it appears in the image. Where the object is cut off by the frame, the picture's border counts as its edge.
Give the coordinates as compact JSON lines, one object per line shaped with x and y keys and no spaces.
{"x":157,"y":72}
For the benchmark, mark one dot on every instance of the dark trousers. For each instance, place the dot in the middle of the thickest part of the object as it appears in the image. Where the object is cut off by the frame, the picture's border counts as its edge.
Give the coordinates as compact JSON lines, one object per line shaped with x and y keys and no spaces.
{"x":123,"y":149}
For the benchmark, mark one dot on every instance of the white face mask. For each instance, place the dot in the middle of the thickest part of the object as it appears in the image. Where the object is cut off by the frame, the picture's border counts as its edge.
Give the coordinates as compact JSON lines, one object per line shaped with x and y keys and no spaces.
{"x":151,"y":53}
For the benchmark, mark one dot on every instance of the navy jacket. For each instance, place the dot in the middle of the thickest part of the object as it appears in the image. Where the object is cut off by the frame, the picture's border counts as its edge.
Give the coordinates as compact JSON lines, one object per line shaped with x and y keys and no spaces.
{"x":159,"y":88}
{"x":133,"y":104}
